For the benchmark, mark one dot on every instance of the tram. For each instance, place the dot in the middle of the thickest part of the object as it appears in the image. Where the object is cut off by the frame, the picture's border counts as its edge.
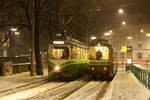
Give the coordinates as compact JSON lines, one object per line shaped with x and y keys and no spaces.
{"x":67,"y":59}
{"x":102,"y":60}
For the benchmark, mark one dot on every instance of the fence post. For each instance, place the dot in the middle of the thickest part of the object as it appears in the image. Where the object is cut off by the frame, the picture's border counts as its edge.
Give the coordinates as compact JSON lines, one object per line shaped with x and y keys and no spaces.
{"x":149,"y":80}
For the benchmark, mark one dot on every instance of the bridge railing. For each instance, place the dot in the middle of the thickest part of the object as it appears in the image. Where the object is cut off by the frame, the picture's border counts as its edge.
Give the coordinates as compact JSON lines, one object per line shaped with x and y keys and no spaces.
{"x":142,"y":75}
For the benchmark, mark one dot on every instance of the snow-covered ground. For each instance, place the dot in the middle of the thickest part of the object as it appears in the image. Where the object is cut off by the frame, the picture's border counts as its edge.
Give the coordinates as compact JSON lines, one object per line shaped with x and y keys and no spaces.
{"x":24,"y":95}
{"x":17,"y":80}
{"x":126,"y":87}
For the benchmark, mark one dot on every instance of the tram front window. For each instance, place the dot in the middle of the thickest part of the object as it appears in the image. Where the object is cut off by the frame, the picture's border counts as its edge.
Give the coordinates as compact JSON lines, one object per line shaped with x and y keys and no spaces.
{"x":60,"y":53}
{"x":99,"y":53}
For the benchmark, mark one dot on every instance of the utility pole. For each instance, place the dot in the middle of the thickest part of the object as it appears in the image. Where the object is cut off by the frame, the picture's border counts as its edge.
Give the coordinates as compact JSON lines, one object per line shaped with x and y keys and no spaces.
{"x":33,"y":36}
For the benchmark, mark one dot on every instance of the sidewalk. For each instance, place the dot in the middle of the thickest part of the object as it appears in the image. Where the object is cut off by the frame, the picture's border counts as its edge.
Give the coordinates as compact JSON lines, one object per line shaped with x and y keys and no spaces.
{"x":126,"y":87}
{"x":17,"y":80}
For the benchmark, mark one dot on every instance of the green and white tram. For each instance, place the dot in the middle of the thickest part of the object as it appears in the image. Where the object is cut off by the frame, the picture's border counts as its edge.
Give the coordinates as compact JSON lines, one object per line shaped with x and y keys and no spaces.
{"x":101,"y":60}
{"x":67,"y":59}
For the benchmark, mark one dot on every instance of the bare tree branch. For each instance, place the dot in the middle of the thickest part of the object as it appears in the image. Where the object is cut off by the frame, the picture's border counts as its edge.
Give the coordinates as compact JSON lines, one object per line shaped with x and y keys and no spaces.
{"x":25,"y":7}
{"x":6,"y":38}
{"x":43,"y":4}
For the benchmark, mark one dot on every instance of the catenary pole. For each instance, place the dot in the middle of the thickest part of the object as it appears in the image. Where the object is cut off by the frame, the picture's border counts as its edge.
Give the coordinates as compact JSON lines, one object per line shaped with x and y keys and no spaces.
{"x":33,"y":36}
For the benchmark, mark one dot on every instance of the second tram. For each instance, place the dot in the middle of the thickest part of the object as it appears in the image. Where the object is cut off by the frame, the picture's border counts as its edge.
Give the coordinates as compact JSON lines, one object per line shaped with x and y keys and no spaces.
{"x":101,"y":60}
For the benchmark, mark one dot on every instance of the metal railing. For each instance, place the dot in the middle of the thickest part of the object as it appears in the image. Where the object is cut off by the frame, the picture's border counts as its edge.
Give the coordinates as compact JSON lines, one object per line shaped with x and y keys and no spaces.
{"x":142,"y":75}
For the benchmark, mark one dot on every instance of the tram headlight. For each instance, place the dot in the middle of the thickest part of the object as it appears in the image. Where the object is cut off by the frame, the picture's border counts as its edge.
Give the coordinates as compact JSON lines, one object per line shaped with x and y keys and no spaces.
{"x":57,"y":68}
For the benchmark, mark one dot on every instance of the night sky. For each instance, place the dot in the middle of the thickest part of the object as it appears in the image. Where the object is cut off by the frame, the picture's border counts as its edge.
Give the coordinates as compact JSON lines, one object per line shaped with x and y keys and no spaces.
{"x":92,"y":17}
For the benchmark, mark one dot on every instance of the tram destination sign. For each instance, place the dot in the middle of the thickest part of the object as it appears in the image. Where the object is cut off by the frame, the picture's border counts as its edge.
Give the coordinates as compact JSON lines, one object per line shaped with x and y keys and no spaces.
{"x":58,"y":42}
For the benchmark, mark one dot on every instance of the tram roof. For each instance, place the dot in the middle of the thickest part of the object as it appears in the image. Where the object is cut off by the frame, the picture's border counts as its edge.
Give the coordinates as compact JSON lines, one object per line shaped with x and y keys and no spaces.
{"x":99,"y":41}
{"x":70,"y":41}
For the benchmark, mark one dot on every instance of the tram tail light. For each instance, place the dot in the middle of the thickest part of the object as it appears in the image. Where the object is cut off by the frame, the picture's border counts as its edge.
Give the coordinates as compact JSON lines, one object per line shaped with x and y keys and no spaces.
{"x":92,"y":68}
{"x":105,"y":68}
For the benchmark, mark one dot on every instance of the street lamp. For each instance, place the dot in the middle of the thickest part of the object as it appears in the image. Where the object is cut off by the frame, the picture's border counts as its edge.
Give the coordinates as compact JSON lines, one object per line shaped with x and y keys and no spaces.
{"x":107,"y":34}
{"x":120,"y":11}
{"x":141,"y":30}
{"x":110,"y":31}
{"x":148,"y":34}
{"x":123,"y":23}
{"x":129,"y":37}
{"x":93,"y":38}
{"x":14,"y":29}
{"x":139,"y":41}
{"x":17,"y":33}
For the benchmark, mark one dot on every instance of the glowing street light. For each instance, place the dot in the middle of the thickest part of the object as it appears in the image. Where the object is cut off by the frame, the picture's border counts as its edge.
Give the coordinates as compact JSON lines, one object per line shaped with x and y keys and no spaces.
{"x":123,"y":23}
{"x":139,"y":41}
{"x":110,"y":31}
{"x":148,"y":34}
{"x":129,"y":37}
{"x":107,"y":34}
{"x":17,"y":33}
{"x":93,"y":38}
{"x":141,"y":30}
{"x":14,"y":29}
{"x":120,"y":11}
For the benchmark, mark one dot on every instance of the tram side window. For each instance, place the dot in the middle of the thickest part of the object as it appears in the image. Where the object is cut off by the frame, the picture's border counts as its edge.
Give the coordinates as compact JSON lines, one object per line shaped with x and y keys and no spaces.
{"x":60,"y":53}
{"x":73,"y":53}
{"x":84,"y":54}
{"x":78,"y":53}
{"x":81,"y":53}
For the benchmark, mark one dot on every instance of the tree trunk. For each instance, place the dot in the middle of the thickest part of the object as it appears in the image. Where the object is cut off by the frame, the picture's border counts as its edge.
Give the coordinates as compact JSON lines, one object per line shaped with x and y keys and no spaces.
{"x":39,"y":68}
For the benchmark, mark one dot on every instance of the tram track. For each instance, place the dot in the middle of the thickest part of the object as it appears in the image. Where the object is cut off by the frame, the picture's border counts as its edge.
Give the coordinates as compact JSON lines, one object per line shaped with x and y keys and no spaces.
{"x":102,"y":91}
{"x":22,"y":88}
{"x":62,"y":92}
{"x":82,"y":88}
{"x":93,"y":90}
{"x":19,"y":93}
{"x":25,"y":90}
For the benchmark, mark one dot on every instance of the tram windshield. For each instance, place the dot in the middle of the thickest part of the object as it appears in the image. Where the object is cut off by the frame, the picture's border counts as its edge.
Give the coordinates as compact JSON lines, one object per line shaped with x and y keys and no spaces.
{"x":60,"y":53}
{"x":99,"y":53}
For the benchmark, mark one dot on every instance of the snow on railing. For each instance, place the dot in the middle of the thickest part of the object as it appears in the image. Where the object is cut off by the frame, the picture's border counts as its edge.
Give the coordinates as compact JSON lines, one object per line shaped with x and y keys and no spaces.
{"x":142,"y":75}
